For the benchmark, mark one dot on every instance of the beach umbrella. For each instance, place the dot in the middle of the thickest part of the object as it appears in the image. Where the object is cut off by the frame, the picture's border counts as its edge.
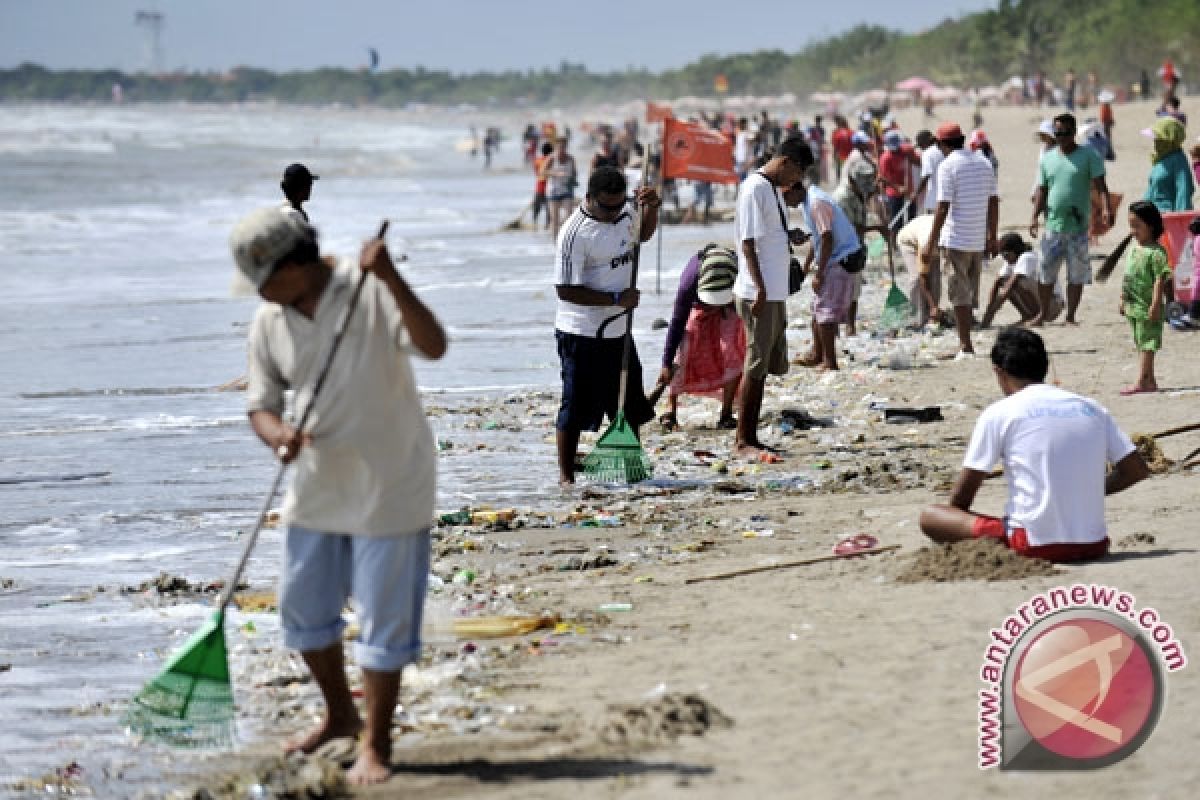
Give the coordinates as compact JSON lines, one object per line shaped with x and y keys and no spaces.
{"x":916,"y":84}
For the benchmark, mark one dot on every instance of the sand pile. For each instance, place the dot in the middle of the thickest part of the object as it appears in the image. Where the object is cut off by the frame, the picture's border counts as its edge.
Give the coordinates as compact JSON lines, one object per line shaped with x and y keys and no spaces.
{"x":976,"y":560}
{"x":294,"y":777}
{"x":661,"y":720}
{"x":1149,"y":450}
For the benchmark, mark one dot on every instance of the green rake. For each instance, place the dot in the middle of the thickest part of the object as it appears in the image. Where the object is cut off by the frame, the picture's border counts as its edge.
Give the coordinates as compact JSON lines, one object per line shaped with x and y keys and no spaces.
{"x":897,"y":310}
{"x":618,"y":456}
{"x":190,"y":703}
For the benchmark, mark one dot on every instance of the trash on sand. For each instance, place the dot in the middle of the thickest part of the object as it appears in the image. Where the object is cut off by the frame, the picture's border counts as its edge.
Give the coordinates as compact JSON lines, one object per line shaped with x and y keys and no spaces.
{"x":607,"y":608}
{"x":907,"y":416}
{"x":496,"y":627}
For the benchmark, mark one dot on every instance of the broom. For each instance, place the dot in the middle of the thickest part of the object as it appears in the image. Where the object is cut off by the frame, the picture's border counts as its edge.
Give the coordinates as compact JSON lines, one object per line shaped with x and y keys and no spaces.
{"x":190,"y":702}
{"x":1110,"y":263}
{"x":618,"y":456}
{"x":897,"y":311}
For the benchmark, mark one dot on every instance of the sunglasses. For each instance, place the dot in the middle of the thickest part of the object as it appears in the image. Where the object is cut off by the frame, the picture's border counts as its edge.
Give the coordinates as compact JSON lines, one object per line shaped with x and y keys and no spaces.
{"x":1063,"y":134}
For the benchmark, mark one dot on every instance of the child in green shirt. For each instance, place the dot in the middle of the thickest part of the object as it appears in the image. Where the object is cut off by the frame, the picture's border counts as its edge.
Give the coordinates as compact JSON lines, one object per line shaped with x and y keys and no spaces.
{"x":1143,"y":289}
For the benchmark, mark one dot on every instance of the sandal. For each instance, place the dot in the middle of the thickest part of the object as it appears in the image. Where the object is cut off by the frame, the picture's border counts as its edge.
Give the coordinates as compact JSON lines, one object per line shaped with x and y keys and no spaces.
{"x":668,"y":422}
{"x":727,"y":422}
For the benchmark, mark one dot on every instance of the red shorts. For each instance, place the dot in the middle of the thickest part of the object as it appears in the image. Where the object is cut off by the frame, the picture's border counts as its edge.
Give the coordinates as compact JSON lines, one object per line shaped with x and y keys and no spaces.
{"x":1018,"y":542}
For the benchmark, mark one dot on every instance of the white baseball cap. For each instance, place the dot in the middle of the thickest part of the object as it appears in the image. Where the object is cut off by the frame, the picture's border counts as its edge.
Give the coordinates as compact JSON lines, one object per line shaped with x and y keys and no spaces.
{"x":261,"y":238}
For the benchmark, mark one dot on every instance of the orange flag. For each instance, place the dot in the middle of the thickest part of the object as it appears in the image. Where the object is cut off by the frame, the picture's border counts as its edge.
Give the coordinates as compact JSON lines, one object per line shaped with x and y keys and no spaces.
{"x":656,"y":113}
{"x":697,"y":152}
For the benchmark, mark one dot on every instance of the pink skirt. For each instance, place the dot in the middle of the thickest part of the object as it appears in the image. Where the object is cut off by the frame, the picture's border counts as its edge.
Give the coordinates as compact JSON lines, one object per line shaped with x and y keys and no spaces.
{"x":711,"y":354}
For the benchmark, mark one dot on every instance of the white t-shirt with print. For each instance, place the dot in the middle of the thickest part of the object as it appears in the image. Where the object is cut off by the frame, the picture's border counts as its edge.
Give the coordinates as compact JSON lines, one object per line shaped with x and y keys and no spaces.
{"x":966,"y":181}
{"x":757,"y":218}
{"x":1055,"y":446}
{"x":596,"y":255}
{"x":371,"y":469}
{"x":1028,"y":266}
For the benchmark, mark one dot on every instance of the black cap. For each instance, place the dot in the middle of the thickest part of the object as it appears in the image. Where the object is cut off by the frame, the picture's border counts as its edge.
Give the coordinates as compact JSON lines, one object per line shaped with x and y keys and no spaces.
{"x":1013,"y":243}
{"x":298,"y":173}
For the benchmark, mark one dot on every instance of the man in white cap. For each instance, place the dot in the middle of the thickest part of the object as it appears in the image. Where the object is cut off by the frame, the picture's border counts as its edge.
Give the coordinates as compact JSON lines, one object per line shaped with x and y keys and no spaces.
{"x":358,"y":510}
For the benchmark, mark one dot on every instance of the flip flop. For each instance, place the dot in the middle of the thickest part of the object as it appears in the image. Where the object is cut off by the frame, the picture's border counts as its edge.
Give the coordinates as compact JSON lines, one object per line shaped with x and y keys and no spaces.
{"x":853,"y":545}
{"x":1132,"y":390}
{"x":767,"y":457}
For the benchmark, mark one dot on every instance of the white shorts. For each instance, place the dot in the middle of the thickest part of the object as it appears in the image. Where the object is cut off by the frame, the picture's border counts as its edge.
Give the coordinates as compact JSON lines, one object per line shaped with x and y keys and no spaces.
{"x":386,"y":575}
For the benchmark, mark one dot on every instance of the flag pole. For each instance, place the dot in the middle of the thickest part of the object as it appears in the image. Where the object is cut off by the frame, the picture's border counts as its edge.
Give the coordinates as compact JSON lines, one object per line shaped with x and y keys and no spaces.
{"x":662,"y":166}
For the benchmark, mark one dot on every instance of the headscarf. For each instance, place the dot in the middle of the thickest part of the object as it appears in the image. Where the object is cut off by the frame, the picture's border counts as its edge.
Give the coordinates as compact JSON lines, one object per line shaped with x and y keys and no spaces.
{"x":1169,"y":134}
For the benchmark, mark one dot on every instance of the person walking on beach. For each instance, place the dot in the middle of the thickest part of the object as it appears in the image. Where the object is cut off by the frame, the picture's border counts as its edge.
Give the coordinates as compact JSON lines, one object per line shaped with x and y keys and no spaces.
{"x":1143,"y":291}
{"x":297,"y":188}
{"x":761,"y":289}
{"x":852,"y":195}
{"x":840,"y":141}
{"x":561,"y":179}
{"x":592,"y":278}
{"x":1066,"y":177}
{"x":1055,"y":447}
{"x":706,"y":335}
{"x":964,"y":225}
{"x":1170,"y":184}
{"x":357,"y":514}
{"x":541,"y":167}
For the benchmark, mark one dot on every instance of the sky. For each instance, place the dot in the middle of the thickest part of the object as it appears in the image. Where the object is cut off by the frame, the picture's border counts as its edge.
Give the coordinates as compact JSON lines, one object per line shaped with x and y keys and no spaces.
{"x":456,"y":35}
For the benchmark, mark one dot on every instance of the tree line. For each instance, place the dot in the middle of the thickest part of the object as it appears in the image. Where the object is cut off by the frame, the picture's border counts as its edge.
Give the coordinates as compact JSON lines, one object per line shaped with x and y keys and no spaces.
{"x":1117,"y":39}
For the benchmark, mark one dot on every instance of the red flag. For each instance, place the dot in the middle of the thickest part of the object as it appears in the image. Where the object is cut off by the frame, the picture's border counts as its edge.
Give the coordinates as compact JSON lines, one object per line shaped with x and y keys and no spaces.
{"x":697,"y":152}
{"x":656,"y":113}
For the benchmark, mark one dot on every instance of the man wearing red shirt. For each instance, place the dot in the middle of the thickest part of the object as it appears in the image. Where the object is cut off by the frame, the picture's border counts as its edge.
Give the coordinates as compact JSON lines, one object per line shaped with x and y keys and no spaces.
{"x":841,"y":142}
{"x":894,"y":175}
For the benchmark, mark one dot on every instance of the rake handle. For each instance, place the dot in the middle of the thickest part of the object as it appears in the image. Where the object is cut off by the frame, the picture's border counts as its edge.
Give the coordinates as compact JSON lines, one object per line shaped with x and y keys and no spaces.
{"x":339,"y":333}
{"x":637,"y":251}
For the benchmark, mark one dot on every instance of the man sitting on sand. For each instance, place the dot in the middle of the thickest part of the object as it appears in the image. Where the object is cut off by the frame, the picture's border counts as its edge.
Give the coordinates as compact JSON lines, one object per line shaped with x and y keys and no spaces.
{"x":1055,"y":447}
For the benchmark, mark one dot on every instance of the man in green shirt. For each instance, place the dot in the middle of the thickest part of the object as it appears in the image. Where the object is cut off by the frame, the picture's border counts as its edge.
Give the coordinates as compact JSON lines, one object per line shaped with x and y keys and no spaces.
{"x":1065,"y":179}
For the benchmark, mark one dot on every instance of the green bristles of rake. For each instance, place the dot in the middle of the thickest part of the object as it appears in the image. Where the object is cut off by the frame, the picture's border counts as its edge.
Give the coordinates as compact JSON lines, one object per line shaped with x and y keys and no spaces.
{"x":618,"y":456}
{"x":189,"y":704}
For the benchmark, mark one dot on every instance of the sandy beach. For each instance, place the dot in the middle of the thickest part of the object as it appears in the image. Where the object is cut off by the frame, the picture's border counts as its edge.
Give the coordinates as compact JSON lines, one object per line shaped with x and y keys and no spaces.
{"x":833,"y":679}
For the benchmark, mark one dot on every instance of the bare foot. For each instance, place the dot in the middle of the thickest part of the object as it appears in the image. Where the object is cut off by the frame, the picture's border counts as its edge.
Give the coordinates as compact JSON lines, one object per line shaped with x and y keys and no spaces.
{"x":328,"y":730}
{"x":1074,"y":323}
{"x":371,"y":767}
{"x":807,"y":360}
{"x":1036,"y":322}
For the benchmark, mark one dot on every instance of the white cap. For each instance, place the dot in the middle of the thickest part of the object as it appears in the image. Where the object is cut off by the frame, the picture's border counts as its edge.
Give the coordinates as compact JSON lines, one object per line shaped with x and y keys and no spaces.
{"x":263,"y":237}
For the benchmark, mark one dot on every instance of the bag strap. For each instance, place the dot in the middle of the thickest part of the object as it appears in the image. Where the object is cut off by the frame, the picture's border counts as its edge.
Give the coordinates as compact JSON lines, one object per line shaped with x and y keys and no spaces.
{"x":787,"y":234}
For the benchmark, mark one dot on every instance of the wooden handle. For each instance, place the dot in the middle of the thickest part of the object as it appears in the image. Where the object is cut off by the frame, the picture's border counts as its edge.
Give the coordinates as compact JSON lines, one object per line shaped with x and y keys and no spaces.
{"x":720,"y":576}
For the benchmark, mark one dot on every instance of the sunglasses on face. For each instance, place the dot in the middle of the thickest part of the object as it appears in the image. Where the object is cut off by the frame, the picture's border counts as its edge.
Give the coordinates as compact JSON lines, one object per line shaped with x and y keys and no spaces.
{"x":1059,"y":134}
{"x":610,"y":209}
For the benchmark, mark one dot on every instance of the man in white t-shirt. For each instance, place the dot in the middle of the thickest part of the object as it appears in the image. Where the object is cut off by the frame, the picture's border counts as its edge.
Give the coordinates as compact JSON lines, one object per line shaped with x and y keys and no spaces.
{"x":1055,"y":447}
{"x":931,"y":159}
{"x":1017,"y":282}
{"x":742,"y":148}
{"x":964,"y":225}
{"x":761,"y":290}
{"x":594,"y":282}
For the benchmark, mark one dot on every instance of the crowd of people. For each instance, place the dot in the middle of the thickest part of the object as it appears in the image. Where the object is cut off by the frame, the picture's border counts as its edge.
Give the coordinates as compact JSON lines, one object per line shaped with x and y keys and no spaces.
{"x":358,"y":511}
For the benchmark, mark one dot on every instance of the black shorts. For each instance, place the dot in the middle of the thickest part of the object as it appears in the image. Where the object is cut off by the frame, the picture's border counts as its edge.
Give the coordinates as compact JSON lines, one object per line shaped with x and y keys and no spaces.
{"x":591,"y":378}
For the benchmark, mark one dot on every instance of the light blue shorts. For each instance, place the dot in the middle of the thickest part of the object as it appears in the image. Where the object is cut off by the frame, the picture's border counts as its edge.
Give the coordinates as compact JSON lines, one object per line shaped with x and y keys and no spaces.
{"x":386,"y":575}
{"x":1069,"y":247}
